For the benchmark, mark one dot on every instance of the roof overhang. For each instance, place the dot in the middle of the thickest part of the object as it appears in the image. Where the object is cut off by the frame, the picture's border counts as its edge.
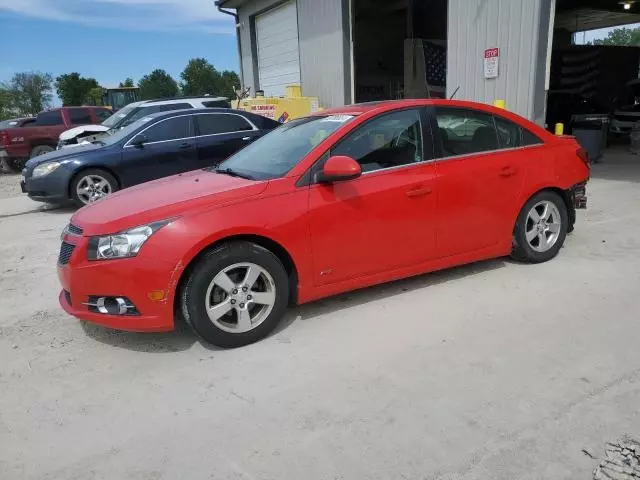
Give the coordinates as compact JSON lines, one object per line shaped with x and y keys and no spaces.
{"x":229,"y":3}
{"x":581,"y":15}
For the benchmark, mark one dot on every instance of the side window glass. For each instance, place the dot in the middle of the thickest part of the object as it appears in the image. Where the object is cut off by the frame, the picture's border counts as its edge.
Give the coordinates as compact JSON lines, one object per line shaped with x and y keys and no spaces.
{"x":50,"y":118}
{"x":217,"y":123}
{"x":102,"y":114}
{"x":529,"y":138}
{"x":388,"y":141}
{"x":464,"y":131}
{"x":171,"y":129}
{"x":79,"y":116}
{"x":508,"y":133}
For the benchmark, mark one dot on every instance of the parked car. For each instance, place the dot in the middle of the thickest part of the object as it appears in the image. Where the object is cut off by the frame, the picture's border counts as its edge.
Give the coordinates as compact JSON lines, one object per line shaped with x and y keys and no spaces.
{"x":626,"y":117}
{"x":133,"y":112}
{"x":152,"y":147}
{"x":341,"y":200}
{"x":18,"y":143}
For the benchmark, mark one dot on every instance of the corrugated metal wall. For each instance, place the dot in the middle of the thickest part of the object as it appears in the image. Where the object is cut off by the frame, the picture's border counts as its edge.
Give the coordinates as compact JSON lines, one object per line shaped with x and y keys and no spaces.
{"x":323,"y":37}
{"x":520,"y":29}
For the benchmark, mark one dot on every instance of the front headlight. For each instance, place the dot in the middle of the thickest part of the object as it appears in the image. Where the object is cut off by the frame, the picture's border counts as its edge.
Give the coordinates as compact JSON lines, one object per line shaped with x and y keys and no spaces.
{"x":45,"y":169}
{"x":124,"y":244}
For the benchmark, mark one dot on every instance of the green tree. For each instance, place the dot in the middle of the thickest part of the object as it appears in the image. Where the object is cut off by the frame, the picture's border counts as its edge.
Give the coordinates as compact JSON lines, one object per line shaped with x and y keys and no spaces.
{"x":31,"y":92}
{"x":94,"y":96}
{"x":157,"y":84}
{"x":201,"y":78}
{"x":621,"y":36}
{"x":128,"y":82}
{"x":73,"y":89}
{"x":7,"y":107}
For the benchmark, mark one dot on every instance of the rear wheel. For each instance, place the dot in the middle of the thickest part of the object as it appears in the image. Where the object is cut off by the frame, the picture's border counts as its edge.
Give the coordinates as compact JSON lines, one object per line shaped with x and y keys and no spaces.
{"x":91,"y":185}
{"x":235,"y":295}
{"x":541,"y":228}
{"x":41,"y":150}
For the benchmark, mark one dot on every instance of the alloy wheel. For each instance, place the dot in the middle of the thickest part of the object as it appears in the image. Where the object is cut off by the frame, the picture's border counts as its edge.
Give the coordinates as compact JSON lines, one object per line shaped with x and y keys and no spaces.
{"x":92,"y":187}
{"x":240,"y":297}
{"x":543,"y":226}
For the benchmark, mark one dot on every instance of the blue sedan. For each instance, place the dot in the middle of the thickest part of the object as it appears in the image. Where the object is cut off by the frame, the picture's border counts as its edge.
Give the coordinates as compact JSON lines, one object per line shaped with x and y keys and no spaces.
{"x":153,"y":147}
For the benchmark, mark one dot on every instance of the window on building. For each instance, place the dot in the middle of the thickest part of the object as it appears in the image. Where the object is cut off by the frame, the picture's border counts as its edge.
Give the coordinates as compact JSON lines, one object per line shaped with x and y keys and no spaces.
{"x":217,"y":123}
{"x":171,"y":129}
{"x":79,"y":116}
{"x":53,"y":117}
{"x":388,"y":141}
{"x":464,"y":131}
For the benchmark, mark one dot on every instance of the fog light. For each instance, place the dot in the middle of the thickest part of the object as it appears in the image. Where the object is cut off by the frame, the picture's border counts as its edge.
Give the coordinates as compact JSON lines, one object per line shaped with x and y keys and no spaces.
{"x":112,"y":306}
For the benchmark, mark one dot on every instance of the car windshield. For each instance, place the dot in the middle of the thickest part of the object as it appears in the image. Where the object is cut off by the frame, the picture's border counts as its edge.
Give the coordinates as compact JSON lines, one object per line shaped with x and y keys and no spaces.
{"x":117,"y":118}
{"x":275,"y":154}
{"x":116,"y":136}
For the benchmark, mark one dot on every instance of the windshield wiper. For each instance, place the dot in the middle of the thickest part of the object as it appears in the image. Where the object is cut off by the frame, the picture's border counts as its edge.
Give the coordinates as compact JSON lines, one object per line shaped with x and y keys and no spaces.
{"x":233,"y":173}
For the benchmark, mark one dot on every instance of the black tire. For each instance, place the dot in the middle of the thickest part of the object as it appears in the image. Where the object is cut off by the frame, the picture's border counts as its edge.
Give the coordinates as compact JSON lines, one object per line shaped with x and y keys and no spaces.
{"x":193,"y":296}
{"x":522,"y":250}
{"x":95,"y":172}
{"x":41,"y":150}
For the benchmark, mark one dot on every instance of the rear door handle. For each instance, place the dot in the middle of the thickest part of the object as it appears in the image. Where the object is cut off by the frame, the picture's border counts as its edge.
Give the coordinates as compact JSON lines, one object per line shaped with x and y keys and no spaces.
{"x":508,"y":171}
{"x":418,"y":192}
{"x":246,"y":139}
{"x":185,"y":145}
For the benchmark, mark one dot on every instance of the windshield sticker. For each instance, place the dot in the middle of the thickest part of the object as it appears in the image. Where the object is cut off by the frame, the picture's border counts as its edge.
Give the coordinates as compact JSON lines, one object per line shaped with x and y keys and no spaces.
{"x":337,"y":118}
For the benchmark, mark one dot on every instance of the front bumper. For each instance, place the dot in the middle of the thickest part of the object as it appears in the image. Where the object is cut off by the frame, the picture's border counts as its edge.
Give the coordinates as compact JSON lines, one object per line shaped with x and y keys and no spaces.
{"x":134,"y":278}
{"x":52,"y":188}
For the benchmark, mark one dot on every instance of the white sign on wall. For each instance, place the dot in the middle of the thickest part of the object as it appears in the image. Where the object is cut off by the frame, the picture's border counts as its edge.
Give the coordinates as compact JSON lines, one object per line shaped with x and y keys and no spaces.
{"x":491,"y":61}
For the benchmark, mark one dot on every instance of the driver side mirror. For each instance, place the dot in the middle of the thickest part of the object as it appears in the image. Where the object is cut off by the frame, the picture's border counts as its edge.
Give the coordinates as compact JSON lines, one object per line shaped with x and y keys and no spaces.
{"x":339,"y":168}
{"x":139,"y":140}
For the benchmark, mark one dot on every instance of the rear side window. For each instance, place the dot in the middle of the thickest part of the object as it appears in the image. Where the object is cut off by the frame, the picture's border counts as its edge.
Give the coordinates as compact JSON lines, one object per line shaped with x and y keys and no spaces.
{"x":173,"y":106}
{"x":171,"y":129}
{"x":50,"y":118}
{"x":217,"y":103}
{"x":217,"y":123}
{"x":529,"y":138}
{"x":79,"y":116}
{"x":508,"y":133}
{"x":464,"y":131}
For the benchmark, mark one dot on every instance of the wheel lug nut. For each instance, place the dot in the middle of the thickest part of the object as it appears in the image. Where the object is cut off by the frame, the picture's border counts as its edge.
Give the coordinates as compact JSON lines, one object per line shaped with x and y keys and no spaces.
{"x":235,"y":291}
{"x":233,"y":302}
{"x":244,"y":289}
{"x":242,"y":305}
{"x":249,"y":297}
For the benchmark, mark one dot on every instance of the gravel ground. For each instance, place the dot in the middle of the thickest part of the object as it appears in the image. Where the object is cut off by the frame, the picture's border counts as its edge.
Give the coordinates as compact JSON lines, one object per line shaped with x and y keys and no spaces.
{"x":495,"y":370}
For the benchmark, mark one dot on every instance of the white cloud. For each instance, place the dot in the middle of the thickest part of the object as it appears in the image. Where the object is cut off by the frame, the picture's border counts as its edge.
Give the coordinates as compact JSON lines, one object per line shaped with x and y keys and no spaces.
{"x":201,"y":15}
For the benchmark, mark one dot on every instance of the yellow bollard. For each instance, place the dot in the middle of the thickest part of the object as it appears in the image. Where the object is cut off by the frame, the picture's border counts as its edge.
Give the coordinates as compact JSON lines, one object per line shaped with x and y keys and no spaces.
{"x":559,"y":129}
{"x":500,"y":104}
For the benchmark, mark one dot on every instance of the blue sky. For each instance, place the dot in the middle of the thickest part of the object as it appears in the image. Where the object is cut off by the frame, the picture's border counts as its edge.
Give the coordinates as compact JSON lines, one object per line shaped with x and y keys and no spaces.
{"x":113,"y":39}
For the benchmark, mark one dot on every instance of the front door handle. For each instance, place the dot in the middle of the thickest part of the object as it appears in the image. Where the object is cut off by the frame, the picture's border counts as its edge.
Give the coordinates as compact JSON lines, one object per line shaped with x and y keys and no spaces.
{"x":246,"y":139}
{"x":508,"y":171}
{"x":418,"y":192}
{"x":184,"y":146}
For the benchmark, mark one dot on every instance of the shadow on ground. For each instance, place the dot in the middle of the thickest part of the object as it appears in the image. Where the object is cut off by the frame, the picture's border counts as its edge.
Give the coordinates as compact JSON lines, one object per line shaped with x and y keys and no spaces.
{"x":183,"y":338}
{"x":617,"y":164}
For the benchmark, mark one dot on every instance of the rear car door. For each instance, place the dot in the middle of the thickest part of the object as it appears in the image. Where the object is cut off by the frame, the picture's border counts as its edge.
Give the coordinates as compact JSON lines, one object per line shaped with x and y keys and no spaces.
{"x":385,"y":219}
{"x":220,"y":135}
{"x":170,"y":148}
{"x":480,"y":177}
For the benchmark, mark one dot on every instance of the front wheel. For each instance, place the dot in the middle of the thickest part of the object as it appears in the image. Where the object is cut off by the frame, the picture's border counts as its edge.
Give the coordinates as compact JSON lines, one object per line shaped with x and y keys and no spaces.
{"x":91,"y":185}
{"x":235,"y":295}
{"x":541,"y":228}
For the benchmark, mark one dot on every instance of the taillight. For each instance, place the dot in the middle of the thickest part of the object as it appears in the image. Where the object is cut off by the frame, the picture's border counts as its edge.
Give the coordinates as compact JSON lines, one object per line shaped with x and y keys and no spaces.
{"x":4,"y":138}
{"x":584,"y":156}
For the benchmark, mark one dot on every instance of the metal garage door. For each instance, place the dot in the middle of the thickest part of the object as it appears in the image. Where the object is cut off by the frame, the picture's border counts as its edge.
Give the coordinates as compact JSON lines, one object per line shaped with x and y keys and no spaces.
{"x":278,"y":54}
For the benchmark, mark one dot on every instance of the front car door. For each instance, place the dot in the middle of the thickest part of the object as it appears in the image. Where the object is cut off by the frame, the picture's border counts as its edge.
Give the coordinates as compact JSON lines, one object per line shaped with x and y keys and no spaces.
{"x":385,"y":219}
{"x":169,"y":148}
{"x":220,"y":135}
{"x":480,"y":177}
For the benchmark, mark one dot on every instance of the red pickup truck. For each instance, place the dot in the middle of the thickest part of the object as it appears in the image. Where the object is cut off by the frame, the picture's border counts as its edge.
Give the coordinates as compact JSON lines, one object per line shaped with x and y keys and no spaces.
{"x":18,"y":144}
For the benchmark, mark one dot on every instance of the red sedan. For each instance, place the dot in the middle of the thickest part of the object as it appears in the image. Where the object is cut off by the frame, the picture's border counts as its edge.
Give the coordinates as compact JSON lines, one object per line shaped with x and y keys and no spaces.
{"x":334,"y":202}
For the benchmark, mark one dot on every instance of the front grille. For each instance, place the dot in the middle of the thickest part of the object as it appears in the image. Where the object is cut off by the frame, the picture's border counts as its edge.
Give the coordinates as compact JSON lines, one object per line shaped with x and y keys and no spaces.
{"x":66,"y":250}
{"x":67,"y":297}
{"x":74,"y":230}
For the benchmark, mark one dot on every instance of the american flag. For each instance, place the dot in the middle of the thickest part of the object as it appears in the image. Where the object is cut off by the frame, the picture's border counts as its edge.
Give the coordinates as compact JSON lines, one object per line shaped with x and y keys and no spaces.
{"x":435,"y":59}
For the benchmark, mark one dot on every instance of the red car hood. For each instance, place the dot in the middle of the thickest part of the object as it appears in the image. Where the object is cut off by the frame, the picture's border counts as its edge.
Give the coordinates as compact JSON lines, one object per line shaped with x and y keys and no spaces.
{"x":164,"y":198}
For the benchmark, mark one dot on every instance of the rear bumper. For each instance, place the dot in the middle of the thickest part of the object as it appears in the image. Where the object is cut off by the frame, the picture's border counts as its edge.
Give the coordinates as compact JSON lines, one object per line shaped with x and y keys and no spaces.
{"x":578,"y":195}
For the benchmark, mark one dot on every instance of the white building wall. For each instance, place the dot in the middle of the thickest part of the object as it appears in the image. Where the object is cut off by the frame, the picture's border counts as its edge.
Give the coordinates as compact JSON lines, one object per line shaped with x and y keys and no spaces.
{"x":520,"y":29}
